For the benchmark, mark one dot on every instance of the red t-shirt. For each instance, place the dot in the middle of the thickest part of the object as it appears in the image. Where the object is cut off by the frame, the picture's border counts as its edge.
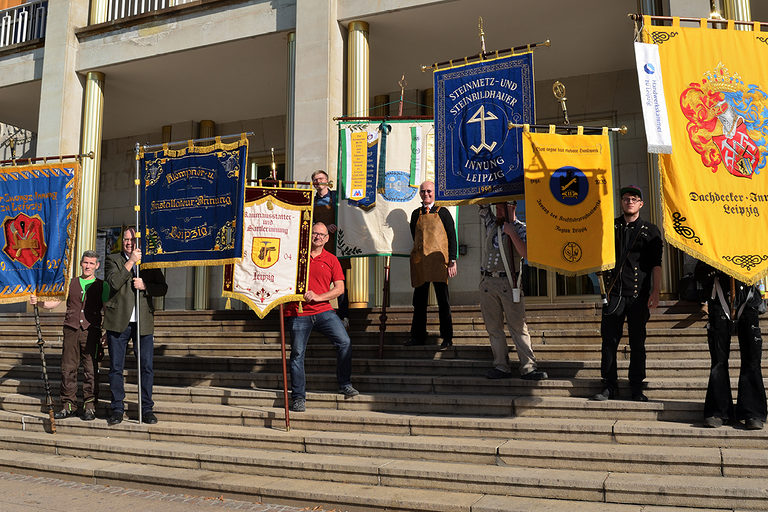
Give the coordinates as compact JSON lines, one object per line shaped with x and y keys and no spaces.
{"x":323,"y":270}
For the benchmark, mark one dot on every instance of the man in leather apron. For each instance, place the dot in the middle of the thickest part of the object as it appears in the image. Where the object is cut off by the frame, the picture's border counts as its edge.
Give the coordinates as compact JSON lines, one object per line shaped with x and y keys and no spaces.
{"x":433,"y":260}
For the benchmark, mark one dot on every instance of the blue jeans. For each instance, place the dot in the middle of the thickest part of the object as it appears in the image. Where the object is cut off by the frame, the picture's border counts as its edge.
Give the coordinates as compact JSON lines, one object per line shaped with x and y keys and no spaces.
{"x":118,"y":347}
{"x":328,"y":323}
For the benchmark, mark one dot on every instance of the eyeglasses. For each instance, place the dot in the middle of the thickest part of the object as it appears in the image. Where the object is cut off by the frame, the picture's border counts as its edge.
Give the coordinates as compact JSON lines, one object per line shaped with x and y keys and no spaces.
{"x":320,"y":235}
{"x":430,"y":192}
{"x":631,"y":199}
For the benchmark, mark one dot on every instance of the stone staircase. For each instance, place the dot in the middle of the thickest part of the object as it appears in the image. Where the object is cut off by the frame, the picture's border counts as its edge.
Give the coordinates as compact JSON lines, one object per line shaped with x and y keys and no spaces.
{"x":428,"y":431}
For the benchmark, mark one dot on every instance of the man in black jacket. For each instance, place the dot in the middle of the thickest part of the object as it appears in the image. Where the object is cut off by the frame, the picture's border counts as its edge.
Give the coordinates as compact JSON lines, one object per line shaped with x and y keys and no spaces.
{"x":633,"y":289}
{"x":743,"y":319}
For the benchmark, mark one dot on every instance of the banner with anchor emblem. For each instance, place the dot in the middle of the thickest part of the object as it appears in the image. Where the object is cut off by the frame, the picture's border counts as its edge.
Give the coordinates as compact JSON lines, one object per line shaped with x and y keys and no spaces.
{"x":276,"y":242}
{"x":569,"y":202}
{"x":477,"y":158}
{"x":401,"y":158}
{"x":38,"y":206}
{"x":192,"y":204}
{"x":715,"y":182}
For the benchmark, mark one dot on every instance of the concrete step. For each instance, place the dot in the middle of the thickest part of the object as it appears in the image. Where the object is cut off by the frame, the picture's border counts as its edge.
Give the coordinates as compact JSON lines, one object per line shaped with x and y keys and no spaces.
{"x":18,"y":364}
{"x":321,"y":348}
{"x":352,"y":497}
{"x":583,"y":420}
{"x":487,"y":479}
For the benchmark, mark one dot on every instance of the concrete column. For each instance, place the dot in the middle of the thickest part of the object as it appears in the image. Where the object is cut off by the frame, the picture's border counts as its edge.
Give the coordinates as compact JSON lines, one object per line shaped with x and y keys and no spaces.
{"x":318,"y":88}
{"x":61,"y":89}
{"x":738,"y":10}
{"x":99,"y":10}
{"x":357,"y":105}
{"x":290,"y":108}
{"x":207,"y":129}
{"x":93,"y":113}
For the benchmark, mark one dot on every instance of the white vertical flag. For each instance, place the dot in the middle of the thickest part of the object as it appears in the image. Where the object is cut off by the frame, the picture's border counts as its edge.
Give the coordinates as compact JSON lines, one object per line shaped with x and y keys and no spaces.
{"x":652,"y":97}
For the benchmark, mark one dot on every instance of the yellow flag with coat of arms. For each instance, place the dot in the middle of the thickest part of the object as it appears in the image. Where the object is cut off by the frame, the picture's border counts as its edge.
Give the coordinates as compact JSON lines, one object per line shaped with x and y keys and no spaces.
{"x":715,"y":182}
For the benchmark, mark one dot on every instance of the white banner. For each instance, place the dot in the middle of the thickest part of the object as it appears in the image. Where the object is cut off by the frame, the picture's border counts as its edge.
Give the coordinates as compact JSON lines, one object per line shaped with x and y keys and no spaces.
{"x":384,"y":229}
{"x":652,"y":98}
{"x":276,"y":230}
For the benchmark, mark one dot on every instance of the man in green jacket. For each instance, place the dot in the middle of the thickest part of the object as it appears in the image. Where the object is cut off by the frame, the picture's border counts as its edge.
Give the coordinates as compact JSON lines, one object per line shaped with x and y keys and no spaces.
{"x":120,"y":317}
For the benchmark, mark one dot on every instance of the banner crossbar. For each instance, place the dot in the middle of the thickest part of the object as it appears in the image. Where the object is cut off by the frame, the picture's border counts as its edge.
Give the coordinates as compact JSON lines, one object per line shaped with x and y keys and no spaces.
{"x":621,"y":129}
{"x":57,"y":158}
{"x":714,"y":21}
{"x":187,"y":141}
{"x":482,"y":56}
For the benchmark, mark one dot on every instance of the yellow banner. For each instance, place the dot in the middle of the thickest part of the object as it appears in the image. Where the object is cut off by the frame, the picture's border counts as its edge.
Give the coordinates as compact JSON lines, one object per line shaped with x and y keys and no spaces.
{"x":714,"y":188}
{"x":569,"y":202}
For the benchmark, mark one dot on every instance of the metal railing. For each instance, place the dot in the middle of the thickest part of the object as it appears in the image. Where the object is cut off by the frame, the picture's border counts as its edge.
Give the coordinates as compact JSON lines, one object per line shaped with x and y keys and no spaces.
{"x":25,"y":22}
{"x":121,"y":9}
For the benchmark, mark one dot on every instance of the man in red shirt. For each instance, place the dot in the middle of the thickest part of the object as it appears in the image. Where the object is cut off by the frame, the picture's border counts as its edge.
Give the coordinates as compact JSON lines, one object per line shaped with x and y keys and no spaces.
{"x":317,"y":313}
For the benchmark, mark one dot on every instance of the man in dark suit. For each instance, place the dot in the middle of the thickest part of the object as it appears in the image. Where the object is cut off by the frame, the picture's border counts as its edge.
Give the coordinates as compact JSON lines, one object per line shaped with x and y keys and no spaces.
{"x":120,"y":323}
{"x":433,"y":260}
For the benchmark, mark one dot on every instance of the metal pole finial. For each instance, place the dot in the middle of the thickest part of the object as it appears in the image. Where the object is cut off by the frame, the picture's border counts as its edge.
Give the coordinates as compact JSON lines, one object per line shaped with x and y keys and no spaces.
{"x":558,"y":89}
{"x":481,"y":33}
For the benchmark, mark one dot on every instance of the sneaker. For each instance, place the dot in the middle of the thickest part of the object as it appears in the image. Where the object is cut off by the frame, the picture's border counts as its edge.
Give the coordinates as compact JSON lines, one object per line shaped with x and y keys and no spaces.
{"x":753,"y":424}
{"x":115,"y":418}
{"x":65,"y":412}
{"x":149,"y":418}
{"x":495,"y":373}
{"x":605,"y":394}
{"x":89,"y":415}
{"x":298,"y":405}
{"x":639,"y":396}
{"x":713,"y":422}
{"x":446,"y":344}
{"x":535,"y":375}
{"x":348,"y":390}
{"x":345,"y":323}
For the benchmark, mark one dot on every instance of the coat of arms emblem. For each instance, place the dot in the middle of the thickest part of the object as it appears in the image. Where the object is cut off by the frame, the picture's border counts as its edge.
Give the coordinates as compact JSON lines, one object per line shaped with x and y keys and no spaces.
{"x":24,"y":239}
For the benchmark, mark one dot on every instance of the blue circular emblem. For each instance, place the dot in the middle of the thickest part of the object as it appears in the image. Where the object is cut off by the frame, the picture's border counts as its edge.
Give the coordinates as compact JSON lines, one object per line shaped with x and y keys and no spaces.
{"x":397,"y":187}
{"x":648,"y":68}
{"x":569,"y":185}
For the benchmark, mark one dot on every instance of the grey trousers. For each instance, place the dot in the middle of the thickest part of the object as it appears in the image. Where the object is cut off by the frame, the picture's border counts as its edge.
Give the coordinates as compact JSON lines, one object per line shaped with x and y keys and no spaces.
{"x":496,"y":303}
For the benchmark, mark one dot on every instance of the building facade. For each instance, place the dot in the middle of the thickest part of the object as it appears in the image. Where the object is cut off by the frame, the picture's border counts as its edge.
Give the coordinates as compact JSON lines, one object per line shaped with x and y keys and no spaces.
{"x":101,"y":75}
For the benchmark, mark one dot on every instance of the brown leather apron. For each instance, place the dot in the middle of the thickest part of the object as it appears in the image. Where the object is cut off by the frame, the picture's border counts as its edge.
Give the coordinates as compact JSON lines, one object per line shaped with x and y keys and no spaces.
{"x":429,"y":256}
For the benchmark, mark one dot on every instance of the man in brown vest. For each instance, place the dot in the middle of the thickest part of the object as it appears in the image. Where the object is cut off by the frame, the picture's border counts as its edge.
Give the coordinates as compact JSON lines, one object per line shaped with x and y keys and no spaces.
{"x":433,"y":260}
{"x":82,"y":334}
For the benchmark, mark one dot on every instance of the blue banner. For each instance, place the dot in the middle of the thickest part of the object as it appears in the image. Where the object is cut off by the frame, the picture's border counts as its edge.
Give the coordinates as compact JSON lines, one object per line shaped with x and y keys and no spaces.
{"x":476,"y":156}
{"x":38,"y":209}
{"x":192,"y":203}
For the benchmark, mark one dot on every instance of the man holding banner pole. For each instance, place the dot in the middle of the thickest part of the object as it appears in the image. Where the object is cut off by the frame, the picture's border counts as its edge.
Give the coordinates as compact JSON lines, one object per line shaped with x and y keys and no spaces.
{"x":120,"y":322}
{"x":633,"y":289}
{"x":317,"y":313}
{"x":500,"y":294}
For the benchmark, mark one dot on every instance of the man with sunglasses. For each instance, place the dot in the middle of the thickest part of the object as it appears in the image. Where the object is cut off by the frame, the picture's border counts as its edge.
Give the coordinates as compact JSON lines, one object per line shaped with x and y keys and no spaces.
{"x":633,"y":289}
{"x":317,"y":313}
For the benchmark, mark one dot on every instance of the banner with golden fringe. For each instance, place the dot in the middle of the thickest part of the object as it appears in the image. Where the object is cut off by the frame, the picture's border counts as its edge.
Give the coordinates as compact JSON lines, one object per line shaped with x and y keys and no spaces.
{"x":569,"y":202}
{"x":714,"y":188}
{"x":192,"y":204}
{"x":39,"y":221}
{"x":276,"y":241}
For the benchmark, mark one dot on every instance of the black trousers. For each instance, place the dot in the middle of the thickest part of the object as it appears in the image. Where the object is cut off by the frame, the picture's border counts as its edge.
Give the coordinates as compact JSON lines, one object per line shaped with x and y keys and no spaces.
{"x":750,"y":401}
{"x":635,"y":311}
{"x":419,"y":322}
